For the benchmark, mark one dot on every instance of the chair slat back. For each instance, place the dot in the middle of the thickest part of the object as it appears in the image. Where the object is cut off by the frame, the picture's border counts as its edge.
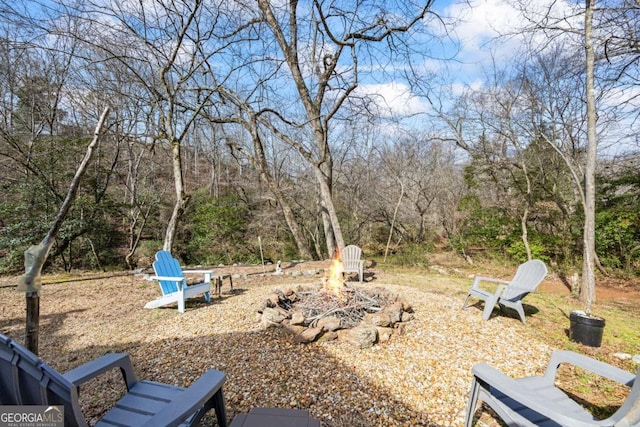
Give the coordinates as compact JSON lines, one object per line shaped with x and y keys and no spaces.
{"x":8,"y":374}
{"x":350,"y":256}
{"x":27,"y":380}
{"x":166,"y":265}
{"x":527,"y":278}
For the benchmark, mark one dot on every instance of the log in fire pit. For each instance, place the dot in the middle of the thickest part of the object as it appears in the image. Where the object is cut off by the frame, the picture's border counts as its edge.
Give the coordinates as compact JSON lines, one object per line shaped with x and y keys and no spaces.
{"x":333,"y":310}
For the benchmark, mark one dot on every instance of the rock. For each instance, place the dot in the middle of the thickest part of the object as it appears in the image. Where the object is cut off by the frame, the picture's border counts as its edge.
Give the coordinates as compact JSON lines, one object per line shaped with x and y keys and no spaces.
{"x":384,"y":334}
{"x":406,"y":317}
{"x":264,"y":304}
{"x":377,"y":319}
{"x":274,"y":298}
{"x":400,"y":328}
{"x":308,"y":335}
{"x":328,"y":336}
{"x":284,"y":312}
{"x":292,"y":298}
{"x":294,"y":329}
{"x":622,"y":356}
{"x":405,"y":305}
{"x":271,"y":317}
{"x":636,"y":359}
{"x":395,"y":311}
{"x":297,"y":318}
{"x":363,"y":336}
{"x":329,"y":323}
{"x":343,"y":334}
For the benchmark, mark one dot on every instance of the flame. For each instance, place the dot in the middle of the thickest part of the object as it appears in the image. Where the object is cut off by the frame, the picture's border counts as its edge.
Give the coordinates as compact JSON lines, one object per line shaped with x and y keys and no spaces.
{"x":334,"y":281}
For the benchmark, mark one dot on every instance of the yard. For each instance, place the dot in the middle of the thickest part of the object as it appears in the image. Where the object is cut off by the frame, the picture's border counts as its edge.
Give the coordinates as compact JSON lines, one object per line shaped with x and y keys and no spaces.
{"x":420,"y":377}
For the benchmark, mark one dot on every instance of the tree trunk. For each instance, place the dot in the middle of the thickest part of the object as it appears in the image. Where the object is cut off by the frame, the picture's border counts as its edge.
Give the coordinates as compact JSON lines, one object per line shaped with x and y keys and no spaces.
{"x":393,"y":220}
{"x":327,"y":201}
{"x":587,"y":290}
{"x":181,"y":198}
{"x":289,"y":216}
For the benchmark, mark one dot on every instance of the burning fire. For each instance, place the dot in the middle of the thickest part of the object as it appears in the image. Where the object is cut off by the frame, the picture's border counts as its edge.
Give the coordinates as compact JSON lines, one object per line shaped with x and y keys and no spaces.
{"x":333,"y":281}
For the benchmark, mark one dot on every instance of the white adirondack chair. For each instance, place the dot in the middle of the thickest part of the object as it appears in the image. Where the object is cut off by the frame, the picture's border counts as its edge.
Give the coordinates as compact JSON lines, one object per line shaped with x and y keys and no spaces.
{"x":536,"y":401}
{"x":509,"y":293}
{"x":351,"y":261}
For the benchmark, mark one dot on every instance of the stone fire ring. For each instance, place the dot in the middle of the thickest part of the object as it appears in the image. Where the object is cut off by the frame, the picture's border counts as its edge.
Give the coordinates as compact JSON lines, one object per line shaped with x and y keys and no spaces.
{"x":375,"y":323}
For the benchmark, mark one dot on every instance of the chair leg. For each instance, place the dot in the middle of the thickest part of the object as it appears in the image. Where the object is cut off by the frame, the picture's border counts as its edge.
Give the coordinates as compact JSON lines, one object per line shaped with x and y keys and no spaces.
{"x":488,"y":307}
{"x":520,"y":311}
{"x":218,"y":289}
{"x":466,"y":301}
{"x":219,"y":407}
{"x":473,"y":401}
{"x":180,"y":301}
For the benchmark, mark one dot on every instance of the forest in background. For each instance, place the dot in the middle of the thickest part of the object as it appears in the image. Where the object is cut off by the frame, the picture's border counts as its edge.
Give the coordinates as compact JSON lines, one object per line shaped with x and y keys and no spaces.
{"x":489,"y":171}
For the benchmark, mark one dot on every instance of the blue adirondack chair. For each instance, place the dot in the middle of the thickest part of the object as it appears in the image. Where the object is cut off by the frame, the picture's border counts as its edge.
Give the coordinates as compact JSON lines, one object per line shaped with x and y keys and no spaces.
{"x":173,"y":283}
{"x":27,"y":380}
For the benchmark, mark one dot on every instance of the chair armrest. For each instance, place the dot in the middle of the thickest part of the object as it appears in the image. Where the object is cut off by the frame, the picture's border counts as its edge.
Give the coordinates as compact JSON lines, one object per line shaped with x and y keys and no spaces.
{"x":207,"y":274}
{"x":478,"y":279}
{"x":169,"y":278}
{"x":597,"y":367}
{"x":96,"y":367}
{"x":518,"y":392}
{"x":198,"y":271}
{"x":189,"y":401}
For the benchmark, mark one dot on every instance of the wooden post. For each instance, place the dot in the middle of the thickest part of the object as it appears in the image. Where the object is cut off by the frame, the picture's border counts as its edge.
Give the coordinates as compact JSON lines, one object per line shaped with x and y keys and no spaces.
{"x":261,"y":254}
{"x":33,"y":321}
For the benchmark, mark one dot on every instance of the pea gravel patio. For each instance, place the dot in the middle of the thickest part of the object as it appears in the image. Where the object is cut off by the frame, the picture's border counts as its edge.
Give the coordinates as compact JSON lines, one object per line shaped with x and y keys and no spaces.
{"x":421,"y":377}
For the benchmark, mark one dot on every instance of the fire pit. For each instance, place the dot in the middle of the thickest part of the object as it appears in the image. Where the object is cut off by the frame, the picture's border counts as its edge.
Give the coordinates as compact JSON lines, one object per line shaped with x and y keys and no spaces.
{"x":334,"y":310}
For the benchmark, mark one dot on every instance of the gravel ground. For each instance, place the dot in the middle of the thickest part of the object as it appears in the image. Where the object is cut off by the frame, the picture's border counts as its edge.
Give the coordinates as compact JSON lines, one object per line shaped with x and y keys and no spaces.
{"x":420,"y":377}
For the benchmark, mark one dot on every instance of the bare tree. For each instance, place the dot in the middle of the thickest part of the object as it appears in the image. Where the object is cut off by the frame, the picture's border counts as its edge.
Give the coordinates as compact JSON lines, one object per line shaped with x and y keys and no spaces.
{"x":249,"y":120}
{"x":36,"y":256}
{"x":321,"y":49}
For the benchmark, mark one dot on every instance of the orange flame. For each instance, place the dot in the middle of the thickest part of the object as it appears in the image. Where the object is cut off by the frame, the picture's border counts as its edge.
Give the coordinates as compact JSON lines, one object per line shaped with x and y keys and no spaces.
{"x":334,"y":281}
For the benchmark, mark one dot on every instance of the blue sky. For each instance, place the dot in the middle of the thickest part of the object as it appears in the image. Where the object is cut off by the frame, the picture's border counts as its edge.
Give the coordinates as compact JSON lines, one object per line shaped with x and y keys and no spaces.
{"x":485,"y":33}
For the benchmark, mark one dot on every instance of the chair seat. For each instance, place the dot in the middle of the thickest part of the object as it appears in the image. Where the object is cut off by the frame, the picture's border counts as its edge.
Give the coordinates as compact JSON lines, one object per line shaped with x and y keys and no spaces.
{"x":144,"y":400}
{"x":275,"y":417}
{"x":555,"y":397}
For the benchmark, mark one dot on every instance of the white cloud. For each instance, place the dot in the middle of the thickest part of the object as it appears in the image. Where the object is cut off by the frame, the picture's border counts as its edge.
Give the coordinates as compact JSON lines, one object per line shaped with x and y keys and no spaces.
{"x":392,"y":99}
{"x":491,"y":31}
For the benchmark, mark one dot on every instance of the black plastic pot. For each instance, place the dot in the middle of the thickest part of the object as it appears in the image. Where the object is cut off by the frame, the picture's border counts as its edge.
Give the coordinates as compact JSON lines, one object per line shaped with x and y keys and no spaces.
{"x":585,"y":329}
